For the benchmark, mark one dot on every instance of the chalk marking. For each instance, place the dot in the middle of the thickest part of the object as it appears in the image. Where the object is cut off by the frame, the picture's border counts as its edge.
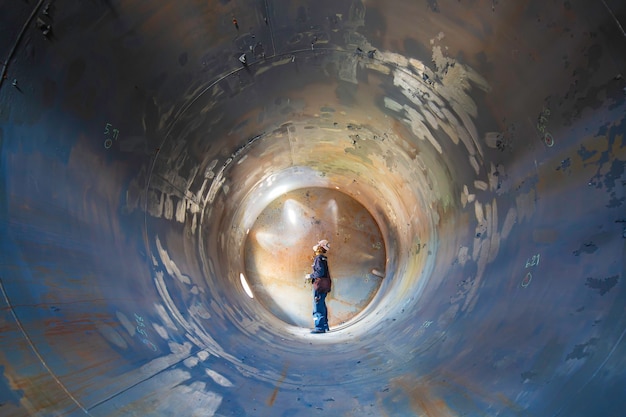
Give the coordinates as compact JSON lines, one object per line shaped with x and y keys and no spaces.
{"x":534,"y":261}
{"x":110,"y":134}
{"x":145,"y":340}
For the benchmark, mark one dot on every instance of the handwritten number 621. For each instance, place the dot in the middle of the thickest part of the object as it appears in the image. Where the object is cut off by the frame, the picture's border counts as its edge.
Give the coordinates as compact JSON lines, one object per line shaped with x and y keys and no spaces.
{"x":534,"y":261}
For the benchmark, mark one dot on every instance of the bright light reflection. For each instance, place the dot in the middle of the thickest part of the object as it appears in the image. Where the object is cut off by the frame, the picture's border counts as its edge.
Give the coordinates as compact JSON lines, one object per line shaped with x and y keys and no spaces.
{"x":276,"y":192}
{"x":245,"y":285}
{"x":332,"y":212}
{"x":298,"y":215}
{"x":291,"y":214}
{"x":294,"y":210}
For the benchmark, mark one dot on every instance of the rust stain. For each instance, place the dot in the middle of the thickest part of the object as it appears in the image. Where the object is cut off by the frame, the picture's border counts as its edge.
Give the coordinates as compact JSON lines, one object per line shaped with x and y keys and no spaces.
{"x":272,"y":398}
{"x":422,"y":398}
{"x":485,"y":395}
{"x":57,"y":326}
{"x":37,"y":391}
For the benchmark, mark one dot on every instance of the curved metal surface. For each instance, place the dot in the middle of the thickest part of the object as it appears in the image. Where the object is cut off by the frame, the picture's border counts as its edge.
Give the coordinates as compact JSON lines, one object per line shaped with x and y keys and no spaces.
{"x":278,"y":253}
{"x":485,"y":140}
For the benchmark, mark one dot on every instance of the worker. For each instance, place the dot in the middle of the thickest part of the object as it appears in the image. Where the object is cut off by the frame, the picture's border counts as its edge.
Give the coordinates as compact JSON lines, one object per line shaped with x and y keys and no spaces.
{"x":320,"y":278}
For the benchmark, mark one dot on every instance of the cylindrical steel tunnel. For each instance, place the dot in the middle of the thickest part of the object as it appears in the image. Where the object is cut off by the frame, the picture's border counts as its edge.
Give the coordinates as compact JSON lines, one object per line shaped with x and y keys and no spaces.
{"x":167,"y":167}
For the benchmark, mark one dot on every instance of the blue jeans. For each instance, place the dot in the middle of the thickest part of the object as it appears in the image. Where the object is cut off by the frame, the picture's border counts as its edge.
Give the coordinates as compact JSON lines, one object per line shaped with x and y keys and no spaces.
{"x":320,"y":313}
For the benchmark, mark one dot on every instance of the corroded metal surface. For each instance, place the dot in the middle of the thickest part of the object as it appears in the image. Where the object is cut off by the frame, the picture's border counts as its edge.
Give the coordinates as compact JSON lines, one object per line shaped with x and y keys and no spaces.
{"x":485,"y":139}
{"x":278,"y":254}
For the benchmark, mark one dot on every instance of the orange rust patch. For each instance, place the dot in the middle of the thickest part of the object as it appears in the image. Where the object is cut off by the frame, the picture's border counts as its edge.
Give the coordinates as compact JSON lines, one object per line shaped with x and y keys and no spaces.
{"x":58,"y":327}
{"x":422,"y":399}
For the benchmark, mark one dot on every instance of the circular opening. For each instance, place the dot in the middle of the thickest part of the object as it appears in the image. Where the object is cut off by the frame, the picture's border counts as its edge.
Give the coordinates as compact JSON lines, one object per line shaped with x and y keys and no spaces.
{"x":278,"y":253}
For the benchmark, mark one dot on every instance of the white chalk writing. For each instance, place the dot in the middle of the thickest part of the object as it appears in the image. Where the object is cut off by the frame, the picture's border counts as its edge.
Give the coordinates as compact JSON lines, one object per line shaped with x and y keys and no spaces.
{"x":533,"y":261}
{"x":141,"y":330}
{"x":111,"y":134}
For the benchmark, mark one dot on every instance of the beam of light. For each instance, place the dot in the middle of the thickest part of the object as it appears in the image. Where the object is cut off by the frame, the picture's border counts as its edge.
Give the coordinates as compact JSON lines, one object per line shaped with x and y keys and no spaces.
{"x":298,"y":216}
{"x":245,"y":285}
{"x":291,"y":214}
{"x":332,"y":212}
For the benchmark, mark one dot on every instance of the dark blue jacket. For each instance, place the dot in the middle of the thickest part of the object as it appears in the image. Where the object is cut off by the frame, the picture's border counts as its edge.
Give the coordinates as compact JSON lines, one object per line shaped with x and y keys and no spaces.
{"x":320,"y":267}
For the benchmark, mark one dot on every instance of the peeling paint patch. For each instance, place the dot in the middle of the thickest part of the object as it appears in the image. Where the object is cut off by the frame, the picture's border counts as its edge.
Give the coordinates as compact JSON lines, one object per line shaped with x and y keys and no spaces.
{"x":180,"y":211}
{"x":393,"y":105}
{"x":393,"y":58}
{"x":161,"y":331}
{"x":478,"y":211}
{"x":170,"y":265}
{"x":509,"y":221}
{"x":463,"y":257}
{"x":200,"y":311}
{"x":190,"y":362}
{"x":474,"y":164}
{"x":208,"y":173}
{"x":155,"y":203}
{"x":602,"y":285}
{"x":112,"y":335}
{"x":218,"y":378}
{"x":587,"y":247}
{"x":126,"y":323}
{"x":165,"y":318}
{"x":583,"y":350}
{"x":480,"y":185}
{"x":416,"y":122}
{"x":215,"y":187}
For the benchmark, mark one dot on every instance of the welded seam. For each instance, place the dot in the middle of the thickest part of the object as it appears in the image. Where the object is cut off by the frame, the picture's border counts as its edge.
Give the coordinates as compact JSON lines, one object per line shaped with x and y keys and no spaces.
{"x":185,"y":107}
{"x":143,"y":380}
{"x":606,"y":359}
{"x":619,"y":340}
{"x":166,"y":137}
{"x":560,"y":410}
{"x":267,"y":15}
{"x":293,"y":155}
{"x":5,"y":64}
{"x":61,"y":303}
{"x":175,"y":120}
{"x":183,"y":193}
{"x":619,"y":25}
{"x":35,"y":351}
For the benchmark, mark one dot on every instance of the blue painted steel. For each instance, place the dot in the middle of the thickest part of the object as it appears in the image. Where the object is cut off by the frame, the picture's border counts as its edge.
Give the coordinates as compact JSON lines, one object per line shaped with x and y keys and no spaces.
{"x":486,"y":139}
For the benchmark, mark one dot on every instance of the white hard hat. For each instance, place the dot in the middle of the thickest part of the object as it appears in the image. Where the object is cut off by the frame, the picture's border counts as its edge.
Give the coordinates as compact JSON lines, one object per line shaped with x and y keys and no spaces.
{"x":322,"y":244}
